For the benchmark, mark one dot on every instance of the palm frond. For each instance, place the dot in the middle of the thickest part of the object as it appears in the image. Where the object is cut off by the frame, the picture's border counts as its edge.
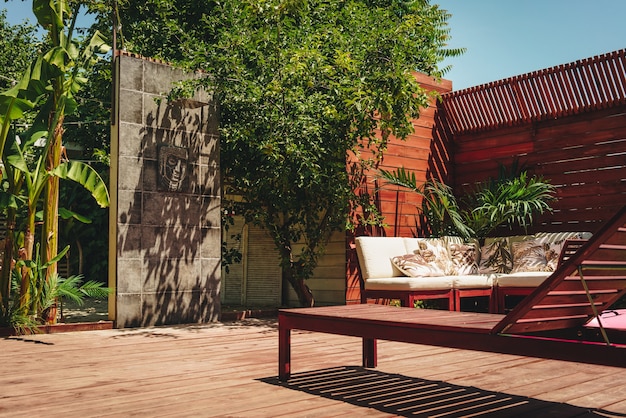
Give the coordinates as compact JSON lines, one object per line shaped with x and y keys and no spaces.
{"x":95,"y":289}
{"x":400,"y":177}
{"x":72,"y":288}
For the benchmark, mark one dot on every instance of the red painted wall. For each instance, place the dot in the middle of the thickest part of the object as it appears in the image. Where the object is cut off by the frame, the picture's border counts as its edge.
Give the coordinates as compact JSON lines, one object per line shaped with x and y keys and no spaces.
{"x":424,"y":152}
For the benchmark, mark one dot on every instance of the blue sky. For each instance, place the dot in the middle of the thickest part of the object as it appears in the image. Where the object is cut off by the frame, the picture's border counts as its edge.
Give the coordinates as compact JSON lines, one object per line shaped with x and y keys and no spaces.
{"x":19,"y":11}
{"x":504,"y":38}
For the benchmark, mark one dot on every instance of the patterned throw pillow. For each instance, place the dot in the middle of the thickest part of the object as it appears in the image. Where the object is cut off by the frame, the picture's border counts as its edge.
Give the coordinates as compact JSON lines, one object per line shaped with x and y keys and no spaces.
{"x":529,"y":255}
{"x":495,"y":257}
{"x":464,"y":258}
{"x":552,"y":252}
{"x":435,"y":251}
{"x":415,"y":265}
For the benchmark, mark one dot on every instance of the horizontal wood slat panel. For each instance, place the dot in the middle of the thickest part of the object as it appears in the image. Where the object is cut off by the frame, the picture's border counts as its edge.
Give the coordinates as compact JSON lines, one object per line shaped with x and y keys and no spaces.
{"x":592,"y":284}
{"x":411,"y":159}
{"x":562,"y":298}
{"x":491,"y":153}
{"x":583,"y":211}
{"x":588,"y":168}
{"x":610,"y":252}
{"x":563,"y":311}
{"x":546,"y":325}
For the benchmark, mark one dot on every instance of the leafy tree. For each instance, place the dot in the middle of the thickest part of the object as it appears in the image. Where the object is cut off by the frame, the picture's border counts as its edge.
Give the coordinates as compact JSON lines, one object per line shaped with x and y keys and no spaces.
{"x":18,"y":44}
{"x":87,"y":138}
{"x":310,"y":92}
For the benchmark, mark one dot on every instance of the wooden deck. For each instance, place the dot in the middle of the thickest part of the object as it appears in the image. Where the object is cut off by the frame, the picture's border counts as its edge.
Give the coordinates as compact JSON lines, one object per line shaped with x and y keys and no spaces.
{"x":231,"y":370}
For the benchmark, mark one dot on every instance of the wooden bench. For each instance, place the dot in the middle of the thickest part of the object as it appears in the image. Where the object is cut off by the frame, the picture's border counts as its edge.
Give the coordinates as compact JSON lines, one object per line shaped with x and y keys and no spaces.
{"x":549,"y":323}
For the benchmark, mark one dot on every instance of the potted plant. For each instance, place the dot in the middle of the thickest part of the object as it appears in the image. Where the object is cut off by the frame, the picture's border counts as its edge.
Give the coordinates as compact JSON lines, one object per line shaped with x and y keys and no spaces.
{"x":511,"y":200}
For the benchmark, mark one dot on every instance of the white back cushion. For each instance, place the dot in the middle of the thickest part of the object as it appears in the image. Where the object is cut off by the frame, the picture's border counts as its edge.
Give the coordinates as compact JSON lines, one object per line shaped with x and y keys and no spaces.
{"x":375,"y":254}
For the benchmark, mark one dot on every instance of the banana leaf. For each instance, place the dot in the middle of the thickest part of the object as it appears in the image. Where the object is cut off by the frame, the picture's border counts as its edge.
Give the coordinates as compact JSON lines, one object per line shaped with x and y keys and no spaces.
{"x":86,"y":176}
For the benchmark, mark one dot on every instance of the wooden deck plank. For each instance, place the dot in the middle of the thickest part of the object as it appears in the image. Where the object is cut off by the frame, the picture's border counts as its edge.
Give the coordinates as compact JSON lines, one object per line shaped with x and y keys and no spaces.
{"x":231,"y":370}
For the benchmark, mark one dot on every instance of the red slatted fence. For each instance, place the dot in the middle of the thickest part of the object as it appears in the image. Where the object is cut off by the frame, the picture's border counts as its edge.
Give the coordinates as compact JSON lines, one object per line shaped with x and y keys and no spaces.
{"x":586,"y":85}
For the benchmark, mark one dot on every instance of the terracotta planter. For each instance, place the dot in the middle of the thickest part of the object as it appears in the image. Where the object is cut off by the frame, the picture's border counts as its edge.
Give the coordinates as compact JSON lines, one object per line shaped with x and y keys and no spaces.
{"x":53,"y":329}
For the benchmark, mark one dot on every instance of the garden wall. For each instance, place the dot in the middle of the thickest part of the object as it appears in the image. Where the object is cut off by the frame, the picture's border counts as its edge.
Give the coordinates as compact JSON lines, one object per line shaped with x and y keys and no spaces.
{"x":164,"y":256}
{"x":584,"y":156}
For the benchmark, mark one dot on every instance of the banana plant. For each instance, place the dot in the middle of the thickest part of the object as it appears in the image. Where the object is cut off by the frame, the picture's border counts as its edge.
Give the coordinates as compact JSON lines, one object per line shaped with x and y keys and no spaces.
{"x":14,"y":103}
{"x":48,"y":88}
{"x":69,"y":64}
{"x":25,"y":168}
{"x":48,"y":292}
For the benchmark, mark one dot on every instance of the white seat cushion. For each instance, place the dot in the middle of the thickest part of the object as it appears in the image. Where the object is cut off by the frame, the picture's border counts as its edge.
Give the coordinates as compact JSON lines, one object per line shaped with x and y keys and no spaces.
{"x":405,"y":283}
{"x":473,"y":281}
{"x":522,"y":279}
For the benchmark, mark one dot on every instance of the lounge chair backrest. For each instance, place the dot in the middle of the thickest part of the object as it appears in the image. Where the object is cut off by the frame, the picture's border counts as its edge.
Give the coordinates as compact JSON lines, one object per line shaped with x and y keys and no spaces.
{"x":563,"y":299}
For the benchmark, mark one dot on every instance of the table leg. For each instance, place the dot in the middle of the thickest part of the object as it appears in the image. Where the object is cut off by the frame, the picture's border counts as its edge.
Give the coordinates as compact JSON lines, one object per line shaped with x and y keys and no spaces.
{"x":369,"y":353}
{"x":284,"y":353}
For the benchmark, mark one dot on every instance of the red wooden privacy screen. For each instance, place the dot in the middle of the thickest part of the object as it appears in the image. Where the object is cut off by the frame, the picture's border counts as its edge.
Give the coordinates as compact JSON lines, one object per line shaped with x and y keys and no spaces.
{"x":570,"y":89}
{"x":566,"y":123}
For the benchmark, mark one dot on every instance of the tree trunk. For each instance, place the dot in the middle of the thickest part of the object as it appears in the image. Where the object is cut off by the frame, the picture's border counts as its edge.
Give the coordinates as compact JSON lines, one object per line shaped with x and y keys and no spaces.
{"x":50,"y":236}
{"x":49,"y":315}
{"x":26,"y":253}
{"x":292,"y":272}
{"x":50,"y":233}
{"x":7,"y":261}
{"x":25,"y":290}
{"x":304,"y":293}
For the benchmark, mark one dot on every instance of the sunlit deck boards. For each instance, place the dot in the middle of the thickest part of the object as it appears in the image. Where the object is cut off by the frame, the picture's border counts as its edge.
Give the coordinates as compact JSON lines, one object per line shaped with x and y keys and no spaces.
{"x":230,"y":370}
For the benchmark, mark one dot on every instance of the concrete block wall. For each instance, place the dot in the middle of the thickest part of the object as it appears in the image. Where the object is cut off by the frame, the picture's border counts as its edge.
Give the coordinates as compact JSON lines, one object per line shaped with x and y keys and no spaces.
{"x":164,"y":257}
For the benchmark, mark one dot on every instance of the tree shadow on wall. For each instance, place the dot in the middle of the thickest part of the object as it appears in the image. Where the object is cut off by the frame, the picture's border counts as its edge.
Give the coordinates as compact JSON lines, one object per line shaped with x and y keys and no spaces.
{"x":170,"y":238}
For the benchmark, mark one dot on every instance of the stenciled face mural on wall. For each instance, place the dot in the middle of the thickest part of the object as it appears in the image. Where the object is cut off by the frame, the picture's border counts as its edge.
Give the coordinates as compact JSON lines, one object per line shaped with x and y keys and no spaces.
{"x":173,"y":168}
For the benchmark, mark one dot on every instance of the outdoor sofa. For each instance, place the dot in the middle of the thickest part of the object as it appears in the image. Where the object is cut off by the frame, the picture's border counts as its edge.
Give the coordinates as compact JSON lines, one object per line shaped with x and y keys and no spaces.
{"x":551,"y":322}
{"x":450,"y":268}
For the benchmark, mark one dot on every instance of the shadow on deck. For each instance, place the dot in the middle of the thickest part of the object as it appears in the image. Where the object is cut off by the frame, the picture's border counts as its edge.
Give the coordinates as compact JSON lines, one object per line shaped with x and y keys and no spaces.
{"x":414,"y":397}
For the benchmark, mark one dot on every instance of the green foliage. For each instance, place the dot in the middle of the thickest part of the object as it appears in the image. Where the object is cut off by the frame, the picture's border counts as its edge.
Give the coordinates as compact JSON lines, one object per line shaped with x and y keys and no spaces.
{"x":57,"y":289}
{"x":84,"y":233}
{"x":86,"y":176}
{"x":301,"y":85}
{"x":18,"y":45}
{"x":230,"y":254}
{"x":46,"y":295}
{"x":511,"y":200}
{"x":87,"y":137}
{"x":42,"y":98}
{"x":88,"y":129}
{"x":439,"y":204}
